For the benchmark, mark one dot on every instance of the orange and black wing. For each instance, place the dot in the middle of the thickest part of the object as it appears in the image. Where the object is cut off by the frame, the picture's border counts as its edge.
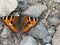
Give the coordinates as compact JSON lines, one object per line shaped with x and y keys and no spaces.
{"x":31,"y":22}
{"x":28,"y":21}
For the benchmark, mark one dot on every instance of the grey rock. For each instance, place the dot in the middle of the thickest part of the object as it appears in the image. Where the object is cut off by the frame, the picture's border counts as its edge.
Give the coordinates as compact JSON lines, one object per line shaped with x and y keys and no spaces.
{"x":56,"y":37}
{"x":6,"y":32}
{"x":16,"y":41}
{"x":1,"y":26}
{"x":54,"y":21}
{"x":34,"y":10}
{"x":32,"y":1}
{"x":8,"y":42}
{"x":51,"y":31}
{"x":47,"y":39}
{"x":28,"y":40}
{"x":7,"y":6}
{"x":57,"y":1}
{"x":22,"y":5}
{"x":39,"y":43}
{"x":5,"y":42}
{"x":39,"y":31}
{"x":47,"y":44}
{"x":29,"y":1}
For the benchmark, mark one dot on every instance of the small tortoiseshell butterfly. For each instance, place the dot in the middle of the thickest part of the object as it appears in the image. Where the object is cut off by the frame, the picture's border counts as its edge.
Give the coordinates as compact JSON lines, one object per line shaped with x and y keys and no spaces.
{"x":23,"y":23}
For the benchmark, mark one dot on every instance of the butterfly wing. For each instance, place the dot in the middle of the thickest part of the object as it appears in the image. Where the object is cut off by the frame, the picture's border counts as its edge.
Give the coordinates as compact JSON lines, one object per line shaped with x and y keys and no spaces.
{"x":22,"y":23}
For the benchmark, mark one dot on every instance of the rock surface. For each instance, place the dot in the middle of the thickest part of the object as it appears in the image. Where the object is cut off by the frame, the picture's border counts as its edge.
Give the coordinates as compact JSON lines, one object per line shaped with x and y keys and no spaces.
{"x":6,"y":33}
{"x":56,"y":37}
{"x":1,"y":26}
{"x":54,"y":21}
{"x":28,"y":40}
{"x":57,"y":1}
{"x":51,"y":31}
{"x":39,"y":31}
{"x":32,"y":1}
{"x":7,"y":6}
{"x":34,"y":10}
{"x":47,"y":44}
{"x":47,"y":39}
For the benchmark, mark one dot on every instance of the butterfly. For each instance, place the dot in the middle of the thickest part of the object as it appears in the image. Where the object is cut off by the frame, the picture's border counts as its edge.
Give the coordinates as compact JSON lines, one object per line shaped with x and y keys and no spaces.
{"x":23,"y":23}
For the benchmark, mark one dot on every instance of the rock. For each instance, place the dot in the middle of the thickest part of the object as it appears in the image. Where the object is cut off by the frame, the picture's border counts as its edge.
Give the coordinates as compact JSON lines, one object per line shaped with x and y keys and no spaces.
{"x":51,"y":31}
{"x":6,"y":32}
{"x":1,"y":27}
{"x":29,"y":1}
{"x":56,"y":37}
{"x":7,"y":6}
{"x":47,"y":44}
{"x":54,"y":21}
{"x":34,"y":10}
{"x":39,"y":31}
{"x":16,"y":41}
{"x":8,"y":42}
{"x":15,"y":14}
{"x":28,"y":40}
{"x":39,"y":43}
{"x":58,"y":1}
{"x":1,"y":40}
{"x":22,"y":5}
{"x":47,"y":39}
{"x":32,"y":1}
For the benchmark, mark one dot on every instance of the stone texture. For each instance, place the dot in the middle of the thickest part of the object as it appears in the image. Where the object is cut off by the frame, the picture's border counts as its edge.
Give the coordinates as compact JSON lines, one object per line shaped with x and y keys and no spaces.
{"x":51,"y":31}
{"x":47,"y":39}
{"x":32,"y":1}
{"x":47,"y":44}
{"x":39,"y":31}
{"x":35,"y":10}
{"x":57,"y":1}
{"x":7,"y":6}
{"x":54,"y":21}
{"x":1,"y":26}
{"x":22,"y":5}
{"x":6,"y":33}
{"x":8,"y":42}
{"x":28,"y":40}
{"x":56,"y":37}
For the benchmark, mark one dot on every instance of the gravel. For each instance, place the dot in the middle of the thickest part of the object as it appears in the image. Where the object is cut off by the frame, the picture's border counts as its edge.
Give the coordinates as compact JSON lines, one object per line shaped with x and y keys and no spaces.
{"x":45,"y":32}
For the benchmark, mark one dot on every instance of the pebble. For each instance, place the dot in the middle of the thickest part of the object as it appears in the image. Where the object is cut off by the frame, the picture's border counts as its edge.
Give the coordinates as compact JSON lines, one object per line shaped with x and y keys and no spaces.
{"x":51,"y":31}
{"x":7,"y":6}
{"x":28,"y":40}
{"x":56,"y":37}
{"x":39,"y":31}
{"x":6,"y":32}
{"x":54,"y":21}
{"x":47,"y":39}
{"x":34,"y":10}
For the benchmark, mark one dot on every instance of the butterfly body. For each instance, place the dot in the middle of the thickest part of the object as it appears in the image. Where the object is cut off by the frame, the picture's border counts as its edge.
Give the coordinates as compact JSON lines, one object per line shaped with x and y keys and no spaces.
{"x":23,"y":23}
